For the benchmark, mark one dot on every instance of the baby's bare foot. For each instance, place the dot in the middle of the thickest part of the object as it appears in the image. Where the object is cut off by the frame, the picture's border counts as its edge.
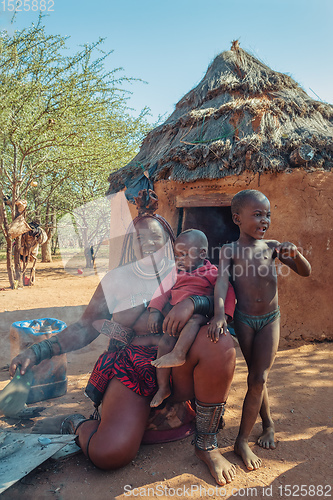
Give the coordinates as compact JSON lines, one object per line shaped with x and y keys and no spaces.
{"x":250,"y":460}
{"x":266,"y":440}
{"x":169,"y":360}
{"x":222,"y":471}
{"x":160,"y":396}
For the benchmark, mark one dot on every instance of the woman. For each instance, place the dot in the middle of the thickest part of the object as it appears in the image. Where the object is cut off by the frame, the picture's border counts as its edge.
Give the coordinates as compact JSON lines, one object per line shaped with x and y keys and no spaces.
{"x":122,"y":376}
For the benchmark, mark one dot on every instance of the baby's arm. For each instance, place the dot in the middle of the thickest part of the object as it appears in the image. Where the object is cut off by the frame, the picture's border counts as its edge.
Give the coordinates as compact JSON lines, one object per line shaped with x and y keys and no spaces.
{"x":218,"y":323}
{"x":155,"y":319}
{"x":289,"y":255}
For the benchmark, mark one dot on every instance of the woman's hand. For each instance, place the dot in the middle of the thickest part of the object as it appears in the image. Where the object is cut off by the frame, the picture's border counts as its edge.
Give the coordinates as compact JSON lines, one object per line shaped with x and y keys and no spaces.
{"x":177,"y":318}
{"x":25,"y":359}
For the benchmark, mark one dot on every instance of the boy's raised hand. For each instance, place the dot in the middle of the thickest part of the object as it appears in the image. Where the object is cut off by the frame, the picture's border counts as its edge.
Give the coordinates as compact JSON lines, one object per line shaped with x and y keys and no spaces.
{"x":216,"y":327}
{"x":288,"y":254}
{"x":286,"y":249}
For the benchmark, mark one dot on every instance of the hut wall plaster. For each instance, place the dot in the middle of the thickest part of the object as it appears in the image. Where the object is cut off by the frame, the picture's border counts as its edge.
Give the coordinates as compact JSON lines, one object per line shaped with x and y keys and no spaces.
{"x":301,"y":205}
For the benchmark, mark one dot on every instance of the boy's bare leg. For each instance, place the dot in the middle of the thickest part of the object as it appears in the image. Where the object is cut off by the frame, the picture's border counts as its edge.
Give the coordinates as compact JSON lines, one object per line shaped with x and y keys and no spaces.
{"x":259,"y":352}
{"x":177,"y":356}
{"x":266,"y":439}
{"x":164,"y":390}
{"x":163,"y":374}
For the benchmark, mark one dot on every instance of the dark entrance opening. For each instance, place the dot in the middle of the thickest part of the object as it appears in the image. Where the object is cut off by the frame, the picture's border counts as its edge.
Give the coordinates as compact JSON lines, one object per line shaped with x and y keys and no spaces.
{"x":215,"y":222}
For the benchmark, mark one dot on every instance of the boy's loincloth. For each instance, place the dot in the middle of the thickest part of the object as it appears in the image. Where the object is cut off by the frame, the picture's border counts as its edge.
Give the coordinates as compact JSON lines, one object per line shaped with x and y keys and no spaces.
{"x":257,"y":323}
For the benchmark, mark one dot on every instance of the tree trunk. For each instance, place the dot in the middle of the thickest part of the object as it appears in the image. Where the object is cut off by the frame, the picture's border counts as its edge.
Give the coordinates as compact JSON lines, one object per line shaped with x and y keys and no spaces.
{"x":4,"y":227}
{"x":54,"y":244}
{"x":17,"y":263}
{"x":10,"y":270}
{"x":88,"y":256}
{"x":49,"y":229}
{"x":46,"y":248}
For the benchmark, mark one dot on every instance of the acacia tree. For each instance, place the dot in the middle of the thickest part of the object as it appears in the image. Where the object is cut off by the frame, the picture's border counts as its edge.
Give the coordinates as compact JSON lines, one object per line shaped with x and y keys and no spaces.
{"x":60,"y":117}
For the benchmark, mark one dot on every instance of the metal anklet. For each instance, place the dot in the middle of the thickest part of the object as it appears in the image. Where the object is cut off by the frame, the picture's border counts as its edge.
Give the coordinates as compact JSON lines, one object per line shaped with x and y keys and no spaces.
{"x":207,"y":425}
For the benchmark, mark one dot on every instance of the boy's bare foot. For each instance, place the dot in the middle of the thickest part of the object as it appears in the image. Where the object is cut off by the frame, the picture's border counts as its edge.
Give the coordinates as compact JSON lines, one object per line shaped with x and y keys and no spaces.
{"x":222,"y":471}
{"x":250,"y":460}
{"x":169,"y":360}
{"x":266,"y":440}
{"x":160,"y":396}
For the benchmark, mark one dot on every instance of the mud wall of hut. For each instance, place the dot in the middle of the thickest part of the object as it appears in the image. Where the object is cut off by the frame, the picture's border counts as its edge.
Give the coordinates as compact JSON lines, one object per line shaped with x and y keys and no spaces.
{"x":301,"y":205}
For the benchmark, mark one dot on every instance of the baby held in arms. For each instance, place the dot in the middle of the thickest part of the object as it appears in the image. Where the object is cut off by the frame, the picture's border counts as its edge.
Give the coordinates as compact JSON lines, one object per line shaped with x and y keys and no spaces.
{"x":193,"y":277}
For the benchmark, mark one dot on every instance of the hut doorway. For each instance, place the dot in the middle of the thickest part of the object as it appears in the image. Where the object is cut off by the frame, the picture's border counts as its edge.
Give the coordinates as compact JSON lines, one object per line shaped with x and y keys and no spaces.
{"x":215,"y":222}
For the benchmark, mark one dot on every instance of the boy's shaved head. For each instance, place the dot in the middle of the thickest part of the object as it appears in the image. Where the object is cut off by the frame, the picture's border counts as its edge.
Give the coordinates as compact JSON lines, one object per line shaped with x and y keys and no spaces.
{"x":196,"y":237}
{"x":240,"y":199}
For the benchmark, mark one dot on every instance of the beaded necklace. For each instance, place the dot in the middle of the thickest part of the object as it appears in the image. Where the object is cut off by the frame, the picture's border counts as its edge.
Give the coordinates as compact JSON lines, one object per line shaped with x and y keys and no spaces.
{"x":138,"y":271}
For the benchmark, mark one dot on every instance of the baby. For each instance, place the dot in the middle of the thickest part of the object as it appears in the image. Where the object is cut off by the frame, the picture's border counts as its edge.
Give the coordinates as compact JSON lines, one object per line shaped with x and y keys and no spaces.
{"x":194,"y":275}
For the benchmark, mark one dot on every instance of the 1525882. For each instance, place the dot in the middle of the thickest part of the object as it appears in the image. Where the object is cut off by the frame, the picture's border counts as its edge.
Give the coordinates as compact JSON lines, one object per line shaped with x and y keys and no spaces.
{"x":27,"y":5}
{"x":304,"y":490}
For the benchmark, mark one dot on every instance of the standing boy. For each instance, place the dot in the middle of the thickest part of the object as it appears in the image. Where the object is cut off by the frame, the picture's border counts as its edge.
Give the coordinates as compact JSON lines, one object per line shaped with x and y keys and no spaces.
{"x":250,"y":262}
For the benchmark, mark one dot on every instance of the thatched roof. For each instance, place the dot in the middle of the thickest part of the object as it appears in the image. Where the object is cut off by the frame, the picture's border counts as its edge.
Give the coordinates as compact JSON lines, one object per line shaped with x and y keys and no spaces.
{"x":241,"y":116}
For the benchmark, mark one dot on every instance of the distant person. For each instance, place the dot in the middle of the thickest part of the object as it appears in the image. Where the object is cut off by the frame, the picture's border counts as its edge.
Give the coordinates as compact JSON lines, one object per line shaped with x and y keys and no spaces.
{"x":194,"y":275}
{"x":250,"y":262}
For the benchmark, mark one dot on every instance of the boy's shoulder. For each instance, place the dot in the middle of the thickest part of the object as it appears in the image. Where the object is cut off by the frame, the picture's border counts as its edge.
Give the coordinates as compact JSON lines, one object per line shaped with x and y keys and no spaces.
{"x":272,"y":243}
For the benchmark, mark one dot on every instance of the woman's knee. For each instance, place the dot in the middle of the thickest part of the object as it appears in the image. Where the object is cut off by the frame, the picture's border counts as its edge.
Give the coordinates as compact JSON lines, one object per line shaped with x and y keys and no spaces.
{"x":221,"y":353}
{"x":112,"y":453}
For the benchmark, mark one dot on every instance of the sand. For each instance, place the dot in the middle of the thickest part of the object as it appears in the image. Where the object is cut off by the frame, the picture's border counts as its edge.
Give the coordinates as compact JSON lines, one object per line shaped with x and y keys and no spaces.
{"x":301,"y":401}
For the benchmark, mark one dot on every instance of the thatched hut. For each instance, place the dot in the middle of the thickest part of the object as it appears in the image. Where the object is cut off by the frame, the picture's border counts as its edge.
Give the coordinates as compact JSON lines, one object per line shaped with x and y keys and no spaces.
{"x":246,"y":126}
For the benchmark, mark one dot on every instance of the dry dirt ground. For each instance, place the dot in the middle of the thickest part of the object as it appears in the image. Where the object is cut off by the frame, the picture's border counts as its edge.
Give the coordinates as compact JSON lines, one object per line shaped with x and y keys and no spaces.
{"x":301,"y":400}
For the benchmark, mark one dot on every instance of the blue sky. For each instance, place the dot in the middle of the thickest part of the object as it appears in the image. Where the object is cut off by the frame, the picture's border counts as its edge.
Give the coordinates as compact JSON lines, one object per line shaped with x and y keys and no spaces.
{"x":170,"y":44}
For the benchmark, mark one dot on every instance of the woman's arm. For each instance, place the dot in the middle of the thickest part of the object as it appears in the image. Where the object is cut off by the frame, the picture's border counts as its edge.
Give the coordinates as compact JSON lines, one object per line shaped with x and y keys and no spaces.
{"x":72,"y":338}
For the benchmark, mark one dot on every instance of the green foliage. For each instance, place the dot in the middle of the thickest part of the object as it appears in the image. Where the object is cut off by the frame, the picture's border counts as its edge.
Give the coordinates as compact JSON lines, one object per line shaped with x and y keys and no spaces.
{"x":64,"y":122}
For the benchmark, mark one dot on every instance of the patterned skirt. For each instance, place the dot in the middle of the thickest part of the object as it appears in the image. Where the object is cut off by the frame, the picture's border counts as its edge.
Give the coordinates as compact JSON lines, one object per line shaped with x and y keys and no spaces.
{"x":131,"y":365}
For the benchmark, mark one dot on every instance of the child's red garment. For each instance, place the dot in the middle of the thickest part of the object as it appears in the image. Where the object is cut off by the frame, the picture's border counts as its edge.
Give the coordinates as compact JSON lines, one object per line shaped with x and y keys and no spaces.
{"x":178,"y":286}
